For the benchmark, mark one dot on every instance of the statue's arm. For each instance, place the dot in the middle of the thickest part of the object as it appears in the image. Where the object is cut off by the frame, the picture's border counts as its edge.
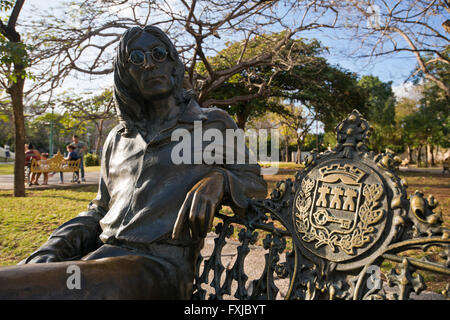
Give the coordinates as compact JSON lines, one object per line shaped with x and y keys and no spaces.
{"x":80,"y":235}
{"x":242,"y":181}
{"x":231,"y":184}
{"x":76,"y":237}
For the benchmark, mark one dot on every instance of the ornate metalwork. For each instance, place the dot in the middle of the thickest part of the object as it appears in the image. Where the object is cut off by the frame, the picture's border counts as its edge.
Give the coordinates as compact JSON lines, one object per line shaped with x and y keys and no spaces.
{"x":345,"y":214}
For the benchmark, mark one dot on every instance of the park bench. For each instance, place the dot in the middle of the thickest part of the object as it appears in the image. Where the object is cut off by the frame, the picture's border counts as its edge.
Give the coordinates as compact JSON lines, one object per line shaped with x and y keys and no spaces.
{"x":55,"y":164}
{"x":329,"y":232}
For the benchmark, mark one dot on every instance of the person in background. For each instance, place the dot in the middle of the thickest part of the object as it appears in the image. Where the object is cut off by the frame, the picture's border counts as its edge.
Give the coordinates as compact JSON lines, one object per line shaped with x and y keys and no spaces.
{"x":72,"y":155}
{"x":7,"y":153}
{"x":80,"y":149}
{"x":44,"y":165}
{"x":30,"y":154}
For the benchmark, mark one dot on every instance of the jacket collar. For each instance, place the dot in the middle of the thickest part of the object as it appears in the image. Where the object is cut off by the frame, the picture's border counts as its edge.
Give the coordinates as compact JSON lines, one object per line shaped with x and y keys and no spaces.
{"x":192,"y":112}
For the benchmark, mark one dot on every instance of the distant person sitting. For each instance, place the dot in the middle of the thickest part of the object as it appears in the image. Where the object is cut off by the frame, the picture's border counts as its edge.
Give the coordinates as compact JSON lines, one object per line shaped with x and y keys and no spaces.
{"x":72,"y":155}
{"x":80,"y":149}
{"x":45,"y":166}
{"x":30,"y":154}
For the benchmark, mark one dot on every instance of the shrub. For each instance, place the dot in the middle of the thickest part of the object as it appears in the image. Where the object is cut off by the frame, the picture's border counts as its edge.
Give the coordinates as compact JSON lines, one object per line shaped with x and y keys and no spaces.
{"x":91,"y":159}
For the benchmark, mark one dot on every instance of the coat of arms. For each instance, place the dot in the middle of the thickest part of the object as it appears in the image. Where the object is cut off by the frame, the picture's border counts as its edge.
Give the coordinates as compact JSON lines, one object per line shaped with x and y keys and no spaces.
{"x":338,"y":210}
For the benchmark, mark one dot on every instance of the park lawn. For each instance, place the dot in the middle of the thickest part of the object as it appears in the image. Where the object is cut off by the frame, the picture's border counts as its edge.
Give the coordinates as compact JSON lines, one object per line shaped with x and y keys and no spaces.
{"x":92,"y":169}
{"x":436,"y":184}
{"x":7,"y":168}
{"x":26,"y":223}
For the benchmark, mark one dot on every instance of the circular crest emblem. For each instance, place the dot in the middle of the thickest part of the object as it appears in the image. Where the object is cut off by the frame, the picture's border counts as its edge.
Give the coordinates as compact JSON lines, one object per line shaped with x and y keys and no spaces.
{"x":340,"y":210}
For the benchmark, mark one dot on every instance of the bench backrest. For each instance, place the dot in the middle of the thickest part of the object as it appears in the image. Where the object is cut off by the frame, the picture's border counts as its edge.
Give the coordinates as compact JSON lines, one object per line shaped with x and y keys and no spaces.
{"x":55,"y":164}
{"x":328,"y":232}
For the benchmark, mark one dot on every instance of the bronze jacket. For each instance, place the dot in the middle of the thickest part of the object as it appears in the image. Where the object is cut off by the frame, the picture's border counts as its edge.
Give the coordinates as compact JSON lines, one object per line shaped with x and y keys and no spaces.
{"x":141,"y":190}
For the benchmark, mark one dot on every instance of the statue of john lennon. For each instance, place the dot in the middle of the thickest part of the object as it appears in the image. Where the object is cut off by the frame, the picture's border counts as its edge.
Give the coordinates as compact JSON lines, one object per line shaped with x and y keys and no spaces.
{"x":142,"y":234}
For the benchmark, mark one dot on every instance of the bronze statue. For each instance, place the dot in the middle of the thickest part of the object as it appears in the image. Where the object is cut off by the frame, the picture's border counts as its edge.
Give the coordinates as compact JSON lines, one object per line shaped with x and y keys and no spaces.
{"x":141,"y":235}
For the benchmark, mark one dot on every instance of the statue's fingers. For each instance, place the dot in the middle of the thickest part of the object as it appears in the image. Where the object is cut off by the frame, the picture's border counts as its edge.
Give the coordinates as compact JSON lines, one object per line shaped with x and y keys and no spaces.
{"x":182,"y":217}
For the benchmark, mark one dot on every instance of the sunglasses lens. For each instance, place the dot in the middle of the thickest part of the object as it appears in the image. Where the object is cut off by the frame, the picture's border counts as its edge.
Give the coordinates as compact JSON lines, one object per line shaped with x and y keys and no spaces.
{"x":137,"y":57}
{"x":159,"y":54}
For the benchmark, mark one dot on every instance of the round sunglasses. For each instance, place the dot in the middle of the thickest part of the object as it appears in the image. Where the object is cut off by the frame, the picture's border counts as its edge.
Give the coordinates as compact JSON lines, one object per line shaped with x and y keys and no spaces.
{"x":139,"y":57}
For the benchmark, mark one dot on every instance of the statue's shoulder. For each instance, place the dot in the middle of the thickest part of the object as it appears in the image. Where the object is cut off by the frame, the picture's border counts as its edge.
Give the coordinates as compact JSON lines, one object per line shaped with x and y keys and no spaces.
{"x":214,"y":114}
{"x":210,"y":116}
{"x":113,"y":135}
{"x":115,"y":131}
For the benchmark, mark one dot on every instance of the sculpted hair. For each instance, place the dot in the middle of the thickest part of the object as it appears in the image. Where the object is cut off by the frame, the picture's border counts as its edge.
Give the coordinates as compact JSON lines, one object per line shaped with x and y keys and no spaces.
{"x":128,"y":100}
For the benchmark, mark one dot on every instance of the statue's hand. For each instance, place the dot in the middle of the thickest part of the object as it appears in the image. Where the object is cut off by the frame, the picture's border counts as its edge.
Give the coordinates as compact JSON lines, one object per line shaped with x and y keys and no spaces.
{"x":199,"y":206}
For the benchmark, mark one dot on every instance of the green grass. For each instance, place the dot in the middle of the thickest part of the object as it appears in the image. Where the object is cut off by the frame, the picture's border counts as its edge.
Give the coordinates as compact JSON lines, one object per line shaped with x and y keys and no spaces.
{"x":92,"y":169}
{"x":282,"y":165}
{"x":7,"y":168}
{"x":26,"y":223}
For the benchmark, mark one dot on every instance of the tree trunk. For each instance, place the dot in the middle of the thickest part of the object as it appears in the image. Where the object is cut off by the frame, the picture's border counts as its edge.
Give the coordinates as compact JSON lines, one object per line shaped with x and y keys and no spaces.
{"x":410,"y":154}
{"x":286,"y":149}
{"x":437,"y":154}
{"x":99,"y":138}
{"x":16,"y":92}
{"x":432,"y":155}
{"x":241,"y":120}
{"x":299,"y":151}
{"x":419,"y":155}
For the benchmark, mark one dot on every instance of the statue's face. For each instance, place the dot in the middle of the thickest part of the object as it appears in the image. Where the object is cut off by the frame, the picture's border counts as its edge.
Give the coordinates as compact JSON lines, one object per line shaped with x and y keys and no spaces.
{"x":150,"y":66}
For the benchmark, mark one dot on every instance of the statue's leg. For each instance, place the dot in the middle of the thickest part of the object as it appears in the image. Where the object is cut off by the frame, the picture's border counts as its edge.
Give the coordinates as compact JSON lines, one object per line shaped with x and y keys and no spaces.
{"x":123,"y":277}
{"x":173,"y":265}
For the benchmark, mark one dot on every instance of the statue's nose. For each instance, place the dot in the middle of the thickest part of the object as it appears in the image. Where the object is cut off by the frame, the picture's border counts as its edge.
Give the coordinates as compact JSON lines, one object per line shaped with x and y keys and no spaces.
{"x":149,"y":65}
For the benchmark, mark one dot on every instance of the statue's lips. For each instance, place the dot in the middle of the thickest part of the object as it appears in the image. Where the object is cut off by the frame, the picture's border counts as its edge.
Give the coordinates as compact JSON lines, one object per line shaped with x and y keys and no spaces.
{"x":156,"y":77}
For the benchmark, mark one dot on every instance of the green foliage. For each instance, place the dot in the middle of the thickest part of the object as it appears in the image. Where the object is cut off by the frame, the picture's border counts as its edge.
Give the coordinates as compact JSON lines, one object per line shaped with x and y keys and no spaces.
{"x":330,"y":92}
{"x":329,"y":139}
{"x":299,"y":75}
{"x":314,"y":140}
{"x":91,"y":160}
{"x":7,"y":131}
{"x":380,"y":106}
{"x":6,"y":5}
{"x":15,"y":54}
